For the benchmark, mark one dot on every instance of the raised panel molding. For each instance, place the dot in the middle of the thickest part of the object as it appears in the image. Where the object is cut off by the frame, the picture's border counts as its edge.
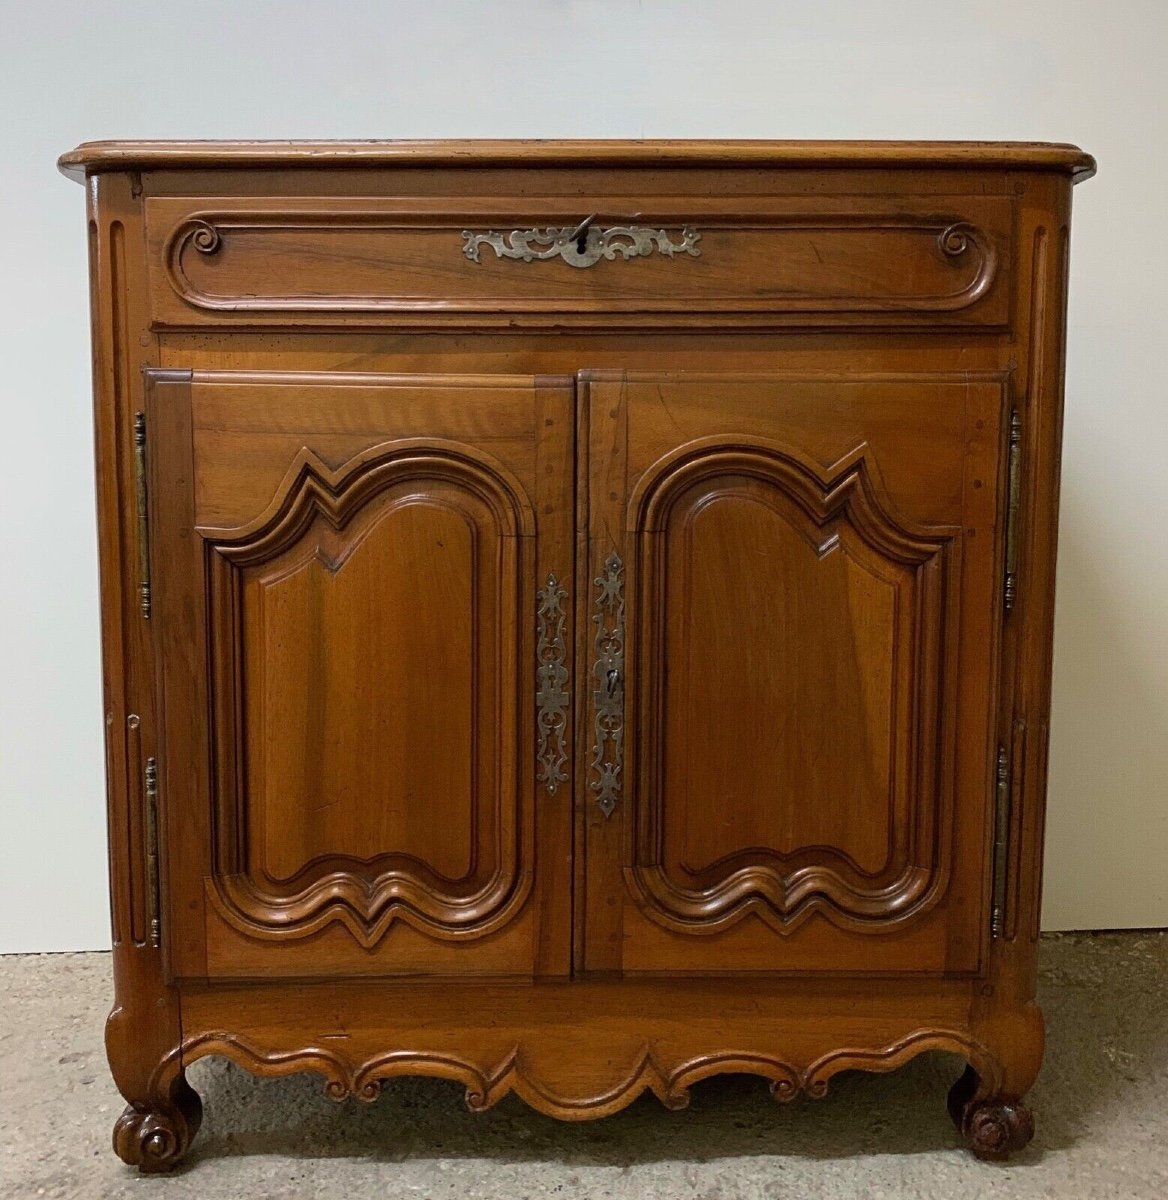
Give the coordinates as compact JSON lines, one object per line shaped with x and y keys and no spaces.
{"x":318,"y":522}
{"x":834,"y":510}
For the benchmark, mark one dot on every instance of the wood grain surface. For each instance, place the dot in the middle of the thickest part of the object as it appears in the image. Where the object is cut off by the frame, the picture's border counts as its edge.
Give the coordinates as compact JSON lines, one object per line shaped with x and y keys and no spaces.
{"x":756,"y":546}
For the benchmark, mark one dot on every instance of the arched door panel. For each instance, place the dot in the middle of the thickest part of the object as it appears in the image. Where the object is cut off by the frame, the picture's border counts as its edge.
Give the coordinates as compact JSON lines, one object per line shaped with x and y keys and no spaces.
{"x":805,"y":629}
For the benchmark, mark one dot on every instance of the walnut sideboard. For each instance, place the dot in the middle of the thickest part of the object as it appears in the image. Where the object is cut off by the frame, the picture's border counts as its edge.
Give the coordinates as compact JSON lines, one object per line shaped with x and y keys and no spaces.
{"x":577,"y":615}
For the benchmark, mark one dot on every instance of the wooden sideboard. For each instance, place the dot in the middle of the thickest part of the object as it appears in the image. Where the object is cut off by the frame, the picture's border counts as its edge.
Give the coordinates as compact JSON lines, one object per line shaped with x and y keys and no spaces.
{"x":577,"y":615}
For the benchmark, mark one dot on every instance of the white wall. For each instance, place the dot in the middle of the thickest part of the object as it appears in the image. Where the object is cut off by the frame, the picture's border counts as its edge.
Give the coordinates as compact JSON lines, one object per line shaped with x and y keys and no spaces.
{"x":1091,"y":73}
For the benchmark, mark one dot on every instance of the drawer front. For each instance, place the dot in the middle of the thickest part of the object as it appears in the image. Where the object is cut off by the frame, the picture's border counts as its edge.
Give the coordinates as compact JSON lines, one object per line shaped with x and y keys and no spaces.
{"x":593,"y":261}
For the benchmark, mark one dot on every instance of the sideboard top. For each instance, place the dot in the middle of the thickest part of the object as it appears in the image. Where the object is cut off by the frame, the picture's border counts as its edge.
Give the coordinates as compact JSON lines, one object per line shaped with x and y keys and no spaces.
{"x":93,"y":157}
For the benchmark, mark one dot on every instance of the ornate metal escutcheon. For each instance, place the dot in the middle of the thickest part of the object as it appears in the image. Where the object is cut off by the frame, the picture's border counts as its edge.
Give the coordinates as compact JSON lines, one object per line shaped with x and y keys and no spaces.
{"x":608,"y":695}
{"x":583,"y":246}
{"x":551,"y":694}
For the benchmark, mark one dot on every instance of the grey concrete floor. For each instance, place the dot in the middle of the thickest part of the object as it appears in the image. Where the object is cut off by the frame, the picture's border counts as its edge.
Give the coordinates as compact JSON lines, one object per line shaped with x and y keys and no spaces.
{"x":1102,"y":1105}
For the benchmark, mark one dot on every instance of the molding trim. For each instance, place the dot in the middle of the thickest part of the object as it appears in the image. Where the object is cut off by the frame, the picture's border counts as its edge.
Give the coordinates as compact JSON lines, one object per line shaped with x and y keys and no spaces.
{"x":652,"y":1070}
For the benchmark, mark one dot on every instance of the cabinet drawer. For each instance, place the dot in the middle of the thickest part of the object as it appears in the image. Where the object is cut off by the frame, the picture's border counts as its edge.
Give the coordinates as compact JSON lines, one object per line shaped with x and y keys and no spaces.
{"x":645,"y":261}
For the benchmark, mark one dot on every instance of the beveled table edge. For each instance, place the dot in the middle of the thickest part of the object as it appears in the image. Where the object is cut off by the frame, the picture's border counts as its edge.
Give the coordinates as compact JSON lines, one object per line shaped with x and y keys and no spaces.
{"x":94,"y":157}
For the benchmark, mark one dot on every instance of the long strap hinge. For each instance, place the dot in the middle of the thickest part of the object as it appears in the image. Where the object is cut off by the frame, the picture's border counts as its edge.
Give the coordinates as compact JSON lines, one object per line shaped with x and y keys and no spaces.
{"x":141,"y":507}
{"x":1001,"y":842}
{"x":152,"y":885}
{"x":1013,"y":507}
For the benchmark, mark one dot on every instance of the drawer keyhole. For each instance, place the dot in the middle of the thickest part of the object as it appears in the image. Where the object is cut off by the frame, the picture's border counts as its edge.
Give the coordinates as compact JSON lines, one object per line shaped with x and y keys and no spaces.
{"x":579,"y":235}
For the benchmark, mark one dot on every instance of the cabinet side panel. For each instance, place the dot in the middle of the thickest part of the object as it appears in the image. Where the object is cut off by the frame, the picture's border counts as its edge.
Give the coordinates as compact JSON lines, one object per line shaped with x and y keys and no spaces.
{"x":1005,"y":1015}
{"x":143,"y":1029}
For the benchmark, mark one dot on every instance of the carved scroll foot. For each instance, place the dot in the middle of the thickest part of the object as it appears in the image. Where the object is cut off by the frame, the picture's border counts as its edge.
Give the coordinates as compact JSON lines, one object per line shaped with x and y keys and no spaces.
{"x":154,"y":1136}
{"x":992,"y":1126}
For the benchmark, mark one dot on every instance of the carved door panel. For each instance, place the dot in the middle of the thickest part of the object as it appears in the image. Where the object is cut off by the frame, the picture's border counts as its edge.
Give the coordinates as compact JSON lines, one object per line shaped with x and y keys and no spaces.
{"x":354,"y":776}
{"x":791,"y":630}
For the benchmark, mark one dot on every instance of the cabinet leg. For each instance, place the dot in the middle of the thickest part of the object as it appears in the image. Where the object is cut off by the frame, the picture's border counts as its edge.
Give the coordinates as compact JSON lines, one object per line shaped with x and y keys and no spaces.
{"x":154,"y":1134}
{"x":992,"y":1126}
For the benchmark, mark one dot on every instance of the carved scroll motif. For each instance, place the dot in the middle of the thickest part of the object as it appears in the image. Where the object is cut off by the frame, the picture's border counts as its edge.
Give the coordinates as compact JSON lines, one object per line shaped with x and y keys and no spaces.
{"x":583,"y":246}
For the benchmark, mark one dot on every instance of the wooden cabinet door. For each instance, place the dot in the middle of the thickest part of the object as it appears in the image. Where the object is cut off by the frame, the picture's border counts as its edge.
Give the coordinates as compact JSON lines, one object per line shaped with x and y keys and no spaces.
{"x":347,"y":573}
{"x":787,"y":753}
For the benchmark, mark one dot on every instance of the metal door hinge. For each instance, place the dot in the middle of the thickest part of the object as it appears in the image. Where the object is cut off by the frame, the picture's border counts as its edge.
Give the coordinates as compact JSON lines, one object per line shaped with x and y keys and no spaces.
{"x":1013,"y":504}
{"x":142,"y":513}
{"x":152,"y":888}
{"x":1001,"y":842}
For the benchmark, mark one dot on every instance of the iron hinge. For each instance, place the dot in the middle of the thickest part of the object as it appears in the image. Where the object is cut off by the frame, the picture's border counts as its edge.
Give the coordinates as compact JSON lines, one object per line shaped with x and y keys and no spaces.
{"x":1001,"y":842}
{"x":1013,"y":506}
{"x":141,"y":508}
{"x":152,"y":888}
